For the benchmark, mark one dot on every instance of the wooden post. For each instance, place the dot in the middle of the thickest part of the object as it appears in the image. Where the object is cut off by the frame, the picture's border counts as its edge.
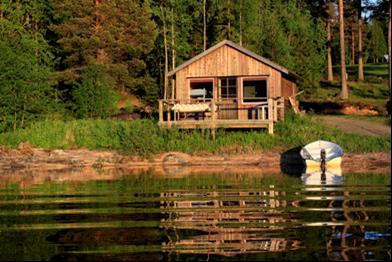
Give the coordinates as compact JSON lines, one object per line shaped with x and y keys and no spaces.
{"x":168,"y":117}
{"x":213,"y":110}
{"x":213,"y":118}
{"x":160,"y":111}
{"x":270,"y":116}
{"x":275,"y":110}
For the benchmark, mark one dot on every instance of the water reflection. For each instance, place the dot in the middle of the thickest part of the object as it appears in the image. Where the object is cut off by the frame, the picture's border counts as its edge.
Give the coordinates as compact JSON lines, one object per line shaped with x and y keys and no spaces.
{"x":231,"y":223}
{"x":331,"y":177}
{"x":148,"y":216}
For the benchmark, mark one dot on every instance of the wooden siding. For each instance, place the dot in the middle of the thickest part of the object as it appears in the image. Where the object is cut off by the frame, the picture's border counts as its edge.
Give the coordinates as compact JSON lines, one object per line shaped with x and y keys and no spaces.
{"x":289,"y":88}
{"x":227,"y":61}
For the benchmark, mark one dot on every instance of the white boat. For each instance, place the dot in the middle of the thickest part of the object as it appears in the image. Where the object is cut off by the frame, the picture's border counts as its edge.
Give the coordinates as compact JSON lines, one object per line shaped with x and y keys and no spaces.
{"x":312,"y":154}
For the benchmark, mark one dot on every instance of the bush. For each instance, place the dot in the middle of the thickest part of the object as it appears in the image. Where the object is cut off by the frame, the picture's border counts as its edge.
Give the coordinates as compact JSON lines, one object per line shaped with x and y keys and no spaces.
{"x":145,"y":138}
{"x":94,"y":95}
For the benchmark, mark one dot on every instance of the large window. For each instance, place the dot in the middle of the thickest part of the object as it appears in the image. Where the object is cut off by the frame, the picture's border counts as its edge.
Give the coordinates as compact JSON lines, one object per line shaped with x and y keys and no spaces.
{"x":228,"y":87}
{"x":254,"y":90}
{"x":201,"y":89}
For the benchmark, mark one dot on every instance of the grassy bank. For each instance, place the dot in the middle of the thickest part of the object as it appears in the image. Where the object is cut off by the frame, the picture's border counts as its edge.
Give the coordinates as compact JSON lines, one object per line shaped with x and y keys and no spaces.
{"x":144,"y":138}
{"x":373,"y":91}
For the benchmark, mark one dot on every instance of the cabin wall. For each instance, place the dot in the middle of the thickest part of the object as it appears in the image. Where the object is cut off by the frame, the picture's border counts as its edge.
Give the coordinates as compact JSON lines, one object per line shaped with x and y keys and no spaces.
{"x":227,"y":61}
{"x":289,"y":89}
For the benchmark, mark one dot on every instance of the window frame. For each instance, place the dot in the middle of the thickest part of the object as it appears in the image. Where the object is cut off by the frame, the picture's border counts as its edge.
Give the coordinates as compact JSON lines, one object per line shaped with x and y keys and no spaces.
{"x":261,"y":78}
{"x":201,"y":80}
{"x":228,"y":87}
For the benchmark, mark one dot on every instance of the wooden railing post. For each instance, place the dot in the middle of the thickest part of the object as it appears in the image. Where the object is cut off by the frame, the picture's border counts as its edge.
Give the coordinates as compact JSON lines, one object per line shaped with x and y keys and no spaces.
{"x":270,"y":116}
{"x":275,"y":105}
{"x":213,"y":118}
{"x":160,"y":111}
{"x":281,"y":108}
{"x":168,"y":117}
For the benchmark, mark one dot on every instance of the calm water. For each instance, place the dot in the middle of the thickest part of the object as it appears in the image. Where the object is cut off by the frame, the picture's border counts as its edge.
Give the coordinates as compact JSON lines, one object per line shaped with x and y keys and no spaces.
{"x":197,"y":217}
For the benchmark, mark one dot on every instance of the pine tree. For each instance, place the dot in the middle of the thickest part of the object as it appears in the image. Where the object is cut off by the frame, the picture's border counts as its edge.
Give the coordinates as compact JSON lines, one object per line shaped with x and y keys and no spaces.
{"x":377,"y":43}
{"x":117,"y":34}
{"x":344,"y":92}
{"x":26,"y":92}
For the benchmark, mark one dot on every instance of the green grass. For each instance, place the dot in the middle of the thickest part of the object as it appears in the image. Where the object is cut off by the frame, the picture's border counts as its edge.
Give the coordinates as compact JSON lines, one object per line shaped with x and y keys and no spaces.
{"x":144,"y":138}
{"x":374,"y":91}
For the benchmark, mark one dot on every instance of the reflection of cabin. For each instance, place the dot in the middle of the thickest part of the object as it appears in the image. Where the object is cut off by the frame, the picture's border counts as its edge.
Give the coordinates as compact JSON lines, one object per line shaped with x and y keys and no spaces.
{"x":219,"y":215}
{"x":227,"y":86}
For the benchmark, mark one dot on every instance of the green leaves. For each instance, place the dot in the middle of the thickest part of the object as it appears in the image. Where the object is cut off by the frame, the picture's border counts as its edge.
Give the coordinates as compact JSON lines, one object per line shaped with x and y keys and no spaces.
{"x":377,"y":43}
{"x":94,"y":95}
{"x":25,"y":87}
{"x":291,"y":37}
{"x":117,"y":34}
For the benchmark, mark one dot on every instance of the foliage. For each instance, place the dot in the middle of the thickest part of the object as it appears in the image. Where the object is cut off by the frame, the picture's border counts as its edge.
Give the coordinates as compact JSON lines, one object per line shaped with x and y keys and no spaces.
{"x":94,"y":95}
{"x":25,"y":66}
{"x":291,"y":37}
{"x":377,"y":43}
{"x":145,"y":138}
{"x":89,"y":34}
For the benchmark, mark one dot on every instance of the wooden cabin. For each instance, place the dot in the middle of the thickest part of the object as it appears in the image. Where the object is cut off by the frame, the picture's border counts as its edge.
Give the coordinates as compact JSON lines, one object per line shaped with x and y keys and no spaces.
{"x":227,"y":86}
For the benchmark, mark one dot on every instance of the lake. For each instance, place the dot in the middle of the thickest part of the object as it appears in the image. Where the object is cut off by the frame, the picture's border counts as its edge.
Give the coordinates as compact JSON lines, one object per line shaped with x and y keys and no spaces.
{"x":205,"y":216}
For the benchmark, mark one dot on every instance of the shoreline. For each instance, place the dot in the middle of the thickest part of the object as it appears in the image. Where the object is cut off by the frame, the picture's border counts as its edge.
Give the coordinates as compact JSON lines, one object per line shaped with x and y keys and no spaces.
{"x":27,"y":166}
{"x":29,"y":158}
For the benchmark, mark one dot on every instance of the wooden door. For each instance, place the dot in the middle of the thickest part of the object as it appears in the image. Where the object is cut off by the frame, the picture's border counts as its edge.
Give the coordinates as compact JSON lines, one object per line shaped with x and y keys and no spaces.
{"x":228,"y":98}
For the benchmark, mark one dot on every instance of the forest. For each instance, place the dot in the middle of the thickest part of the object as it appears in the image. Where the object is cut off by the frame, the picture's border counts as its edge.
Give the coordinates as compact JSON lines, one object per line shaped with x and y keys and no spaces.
{"x":74,"y":59}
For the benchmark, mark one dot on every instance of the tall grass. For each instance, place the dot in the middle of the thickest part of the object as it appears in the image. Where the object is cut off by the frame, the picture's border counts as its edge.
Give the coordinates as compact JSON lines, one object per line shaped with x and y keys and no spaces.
{"x":144,"y":137}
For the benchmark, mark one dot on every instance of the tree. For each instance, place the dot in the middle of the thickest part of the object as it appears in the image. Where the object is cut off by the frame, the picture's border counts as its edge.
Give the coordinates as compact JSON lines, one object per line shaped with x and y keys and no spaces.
{"x":329,"y":8}
{"x":344,"y":92}
{"x":94,"y":94}
{"x":377,"y":43}
{"x":89,"y":34}
{"x":204,"y":26}
{"x":291,"y":37}
{"x":360,"y":50}
{"x":26,"y":67}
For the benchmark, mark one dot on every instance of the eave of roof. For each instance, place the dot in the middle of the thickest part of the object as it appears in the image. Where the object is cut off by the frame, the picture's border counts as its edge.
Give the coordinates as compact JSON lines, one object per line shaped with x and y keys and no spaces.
{"x":238,"y":48}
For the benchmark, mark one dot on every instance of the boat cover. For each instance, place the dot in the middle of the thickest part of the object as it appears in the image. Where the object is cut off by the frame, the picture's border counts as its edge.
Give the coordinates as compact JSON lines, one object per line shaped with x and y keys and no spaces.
{"x":312,"y":151}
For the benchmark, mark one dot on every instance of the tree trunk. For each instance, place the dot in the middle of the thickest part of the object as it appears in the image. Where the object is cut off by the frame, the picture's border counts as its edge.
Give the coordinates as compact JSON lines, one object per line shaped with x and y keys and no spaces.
{"x":389,"y":47}
{"x":204,"y":26}
{"x":360,"y":59}
{"x":329,"y":45}
{"x":100,"y":55}
{"x":173,"y":53}
{"x":228,"y":20}
{"x":166,"y":82}
{"x":240,"y":22}
{"x":344,"y":92}
{"x":352,"y":45}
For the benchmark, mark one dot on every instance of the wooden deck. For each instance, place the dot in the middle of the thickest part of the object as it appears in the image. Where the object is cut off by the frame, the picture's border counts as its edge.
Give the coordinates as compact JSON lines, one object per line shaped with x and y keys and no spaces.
{"x":214,"y":114}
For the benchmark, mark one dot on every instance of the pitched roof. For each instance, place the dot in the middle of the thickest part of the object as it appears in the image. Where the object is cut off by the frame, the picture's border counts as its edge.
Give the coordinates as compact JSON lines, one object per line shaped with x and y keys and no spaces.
{"x":238,"y":48}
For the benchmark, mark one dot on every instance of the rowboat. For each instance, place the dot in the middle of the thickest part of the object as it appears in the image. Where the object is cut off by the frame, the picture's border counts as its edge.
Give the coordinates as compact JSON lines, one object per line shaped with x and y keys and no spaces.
{"x":319,"y":153}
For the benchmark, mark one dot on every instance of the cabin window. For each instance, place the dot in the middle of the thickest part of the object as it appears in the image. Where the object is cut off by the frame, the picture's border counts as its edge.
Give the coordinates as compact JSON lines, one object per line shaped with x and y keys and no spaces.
{"x":201,"y":89}
{"x":254,"y":90}
{"x":228,"y":88}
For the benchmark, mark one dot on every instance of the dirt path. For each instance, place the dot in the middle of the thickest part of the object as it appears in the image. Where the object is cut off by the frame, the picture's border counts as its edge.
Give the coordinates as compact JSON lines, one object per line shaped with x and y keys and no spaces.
{"x":357,"y":126}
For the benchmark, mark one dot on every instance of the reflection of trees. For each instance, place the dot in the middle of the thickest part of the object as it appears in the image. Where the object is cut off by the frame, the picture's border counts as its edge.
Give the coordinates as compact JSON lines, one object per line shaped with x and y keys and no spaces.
{"x":231,"y":222}
{"x":349,"y":238}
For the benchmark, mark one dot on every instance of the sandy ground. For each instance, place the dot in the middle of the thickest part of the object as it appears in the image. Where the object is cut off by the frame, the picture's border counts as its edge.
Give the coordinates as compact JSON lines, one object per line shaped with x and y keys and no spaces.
{"x":357,"y":126}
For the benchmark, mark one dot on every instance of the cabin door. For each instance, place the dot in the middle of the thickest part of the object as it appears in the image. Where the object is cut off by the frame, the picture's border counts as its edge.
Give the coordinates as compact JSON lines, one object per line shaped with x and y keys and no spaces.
{"x":228,"y":98}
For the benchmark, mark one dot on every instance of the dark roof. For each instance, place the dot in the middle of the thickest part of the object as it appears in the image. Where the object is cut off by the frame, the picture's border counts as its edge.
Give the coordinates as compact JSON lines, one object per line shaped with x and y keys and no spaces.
{"x":238,"y":48}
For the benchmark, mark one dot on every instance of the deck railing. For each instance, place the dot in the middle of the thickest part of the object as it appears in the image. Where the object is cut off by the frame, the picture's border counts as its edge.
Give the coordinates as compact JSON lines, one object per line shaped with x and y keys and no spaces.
{"x":223,"y":112}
